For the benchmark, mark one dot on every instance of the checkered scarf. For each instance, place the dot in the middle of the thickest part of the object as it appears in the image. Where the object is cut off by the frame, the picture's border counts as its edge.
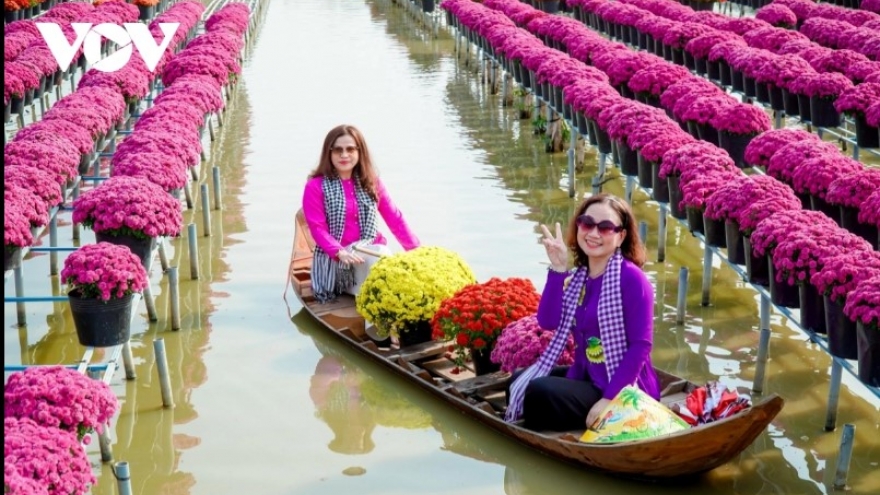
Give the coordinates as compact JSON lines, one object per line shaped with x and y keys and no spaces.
{"x":611,"y":331}
{"x":329,"y":277}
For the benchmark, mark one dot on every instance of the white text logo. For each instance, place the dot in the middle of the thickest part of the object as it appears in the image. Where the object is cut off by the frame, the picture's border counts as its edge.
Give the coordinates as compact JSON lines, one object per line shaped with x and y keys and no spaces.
{"x":129,"y":34}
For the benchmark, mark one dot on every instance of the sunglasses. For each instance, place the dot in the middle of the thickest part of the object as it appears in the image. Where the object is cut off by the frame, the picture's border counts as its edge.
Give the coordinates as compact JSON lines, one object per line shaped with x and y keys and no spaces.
{"x":338,"y":150}
{"x":588,"y":223}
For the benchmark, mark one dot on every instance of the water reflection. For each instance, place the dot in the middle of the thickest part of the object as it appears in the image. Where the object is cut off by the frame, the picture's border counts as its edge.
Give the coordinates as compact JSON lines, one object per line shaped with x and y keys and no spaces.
{"x":353,"y":403}
{"x":335,"y":391}
{"x":717,"y":341}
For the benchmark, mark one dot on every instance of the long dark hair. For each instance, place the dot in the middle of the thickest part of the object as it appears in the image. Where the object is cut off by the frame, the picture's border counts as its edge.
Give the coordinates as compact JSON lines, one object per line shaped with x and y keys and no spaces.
{"x":631,"y":248}
{"x":363,"y":169}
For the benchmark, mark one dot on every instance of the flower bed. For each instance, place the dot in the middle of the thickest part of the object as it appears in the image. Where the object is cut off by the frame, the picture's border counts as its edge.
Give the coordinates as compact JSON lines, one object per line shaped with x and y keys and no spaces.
{"x":16,"y":228}
{"x":814,"y":175}
{"x":853,"y":189}
{"x":50,"y":456}
{"x":801,"y":254}
{"x":863,"y":304}
{"x":104,"y":271}
{"x":843,"y":272}
{"x":741,"y":119}
{"x":774,"y":229}
{"x":870,"y":211}
{"x":785,"y":161}
{"x":59,"y":397}
{"x":763,"y":147}
{"x":129,"y":206}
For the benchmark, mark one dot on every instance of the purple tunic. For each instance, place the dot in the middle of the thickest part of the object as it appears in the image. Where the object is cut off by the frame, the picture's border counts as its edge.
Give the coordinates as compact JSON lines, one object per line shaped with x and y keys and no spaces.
{"x":638,"y":313}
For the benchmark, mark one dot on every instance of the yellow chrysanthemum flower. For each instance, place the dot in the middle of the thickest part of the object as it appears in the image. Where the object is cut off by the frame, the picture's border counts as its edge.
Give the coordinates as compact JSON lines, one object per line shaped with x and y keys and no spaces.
{"x":404,"y":288}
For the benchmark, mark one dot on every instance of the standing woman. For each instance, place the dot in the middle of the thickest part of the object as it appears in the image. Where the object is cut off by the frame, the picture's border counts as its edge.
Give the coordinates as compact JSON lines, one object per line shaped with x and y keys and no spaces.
{"x":608,"y":306}
{"x":340,"y":204}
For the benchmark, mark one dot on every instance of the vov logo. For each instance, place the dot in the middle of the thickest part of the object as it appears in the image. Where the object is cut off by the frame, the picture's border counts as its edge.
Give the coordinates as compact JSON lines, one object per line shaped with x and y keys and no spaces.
{"x":134,"y":34}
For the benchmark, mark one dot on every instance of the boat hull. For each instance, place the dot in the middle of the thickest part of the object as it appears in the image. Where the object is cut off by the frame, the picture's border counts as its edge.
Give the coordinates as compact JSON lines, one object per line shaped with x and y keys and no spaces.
{"x":687,"y":453}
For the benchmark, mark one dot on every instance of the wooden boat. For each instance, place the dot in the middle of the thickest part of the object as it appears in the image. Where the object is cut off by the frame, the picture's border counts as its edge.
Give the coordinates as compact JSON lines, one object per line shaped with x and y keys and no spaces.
{"x":686,"y":453}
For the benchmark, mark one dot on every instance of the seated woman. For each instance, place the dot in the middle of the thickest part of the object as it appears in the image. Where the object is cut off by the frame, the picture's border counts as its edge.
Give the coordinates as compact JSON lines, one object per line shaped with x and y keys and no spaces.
{"x":607,"y":305}
{"x":340,"y":203}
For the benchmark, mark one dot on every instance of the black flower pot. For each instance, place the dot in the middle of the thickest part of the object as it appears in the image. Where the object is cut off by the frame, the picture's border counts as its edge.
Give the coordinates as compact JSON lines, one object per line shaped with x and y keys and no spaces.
{"x":841,"y":330}
{"x":99,"y":323}
{"x":556,"y":98}
{"x":777,"y":102}
{"x":603,"y":142}
{"x":713,"y":71}
{"x":678,"y":57}
{"x":804,"y":108}
{"x":714,"y":231}
{"x":567,"y":113}
{"x":624,"y":34}
{"x":750,"y":87}
{"x":707,"y":133}
{"x":736,"y":80}
{"x":790,"y":103}
{"x":812,"y":308}
{"x":735,"y":241}
{"x":868,"y":343}
{"x":583,"y":127}
{"x":483,"y":365}
{"x":701,"y":66}
{"x":849,"y":219}
{"x":689,"y":61}
{"x":757,"y":267}
{"x":762,"y":92}
{"x":831,"y":211}
{"x":643,"y":41}
{"x":142,"y":248}
{"x":629,"y":161}
{"x":659,"y":47}
{"x":516,"y":71}
{"x":659,"y":187}
{"x":782,"y":294}
{"x":692,"y":128}
{"x":415,"y":333}
{"x":695,"y":220}
{"x":549,"y":6}
{"x":146,"y":13}
{"x":428,"y":5}
{"x":735,"y":145}
{"x":866,"y":136}
{"x":646,"y":174}
{"x":823,"y":113}
{"x":590,"y":132}
{"x":675,"y":196}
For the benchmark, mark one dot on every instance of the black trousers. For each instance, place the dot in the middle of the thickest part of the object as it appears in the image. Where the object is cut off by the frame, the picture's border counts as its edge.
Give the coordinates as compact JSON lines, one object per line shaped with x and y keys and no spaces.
{"x":556,"y":403}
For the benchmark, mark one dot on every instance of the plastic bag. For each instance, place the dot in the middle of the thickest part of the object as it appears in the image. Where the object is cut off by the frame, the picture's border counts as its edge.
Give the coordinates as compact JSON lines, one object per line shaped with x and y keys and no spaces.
{"x":711,"y":403}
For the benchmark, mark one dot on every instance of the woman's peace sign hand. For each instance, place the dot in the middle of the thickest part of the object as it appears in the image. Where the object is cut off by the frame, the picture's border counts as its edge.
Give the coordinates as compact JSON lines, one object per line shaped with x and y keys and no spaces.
{"x":557,"y":251}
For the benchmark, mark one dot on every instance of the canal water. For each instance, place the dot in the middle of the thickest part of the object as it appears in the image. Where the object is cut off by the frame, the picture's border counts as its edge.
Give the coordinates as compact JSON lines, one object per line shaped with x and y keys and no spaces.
{"x":264,"y":403}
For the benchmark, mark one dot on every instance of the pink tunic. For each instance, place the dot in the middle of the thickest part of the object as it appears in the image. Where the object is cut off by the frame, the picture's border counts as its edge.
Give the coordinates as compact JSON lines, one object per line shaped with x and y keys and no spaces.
{"x":313,"y":208}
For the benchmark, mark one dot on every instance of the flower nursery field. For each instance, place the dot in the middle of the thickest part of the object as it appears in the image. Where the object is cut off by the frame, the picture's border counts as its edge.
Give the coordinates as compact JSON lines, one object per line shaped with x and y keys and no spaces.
{"x":264,"y":403}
